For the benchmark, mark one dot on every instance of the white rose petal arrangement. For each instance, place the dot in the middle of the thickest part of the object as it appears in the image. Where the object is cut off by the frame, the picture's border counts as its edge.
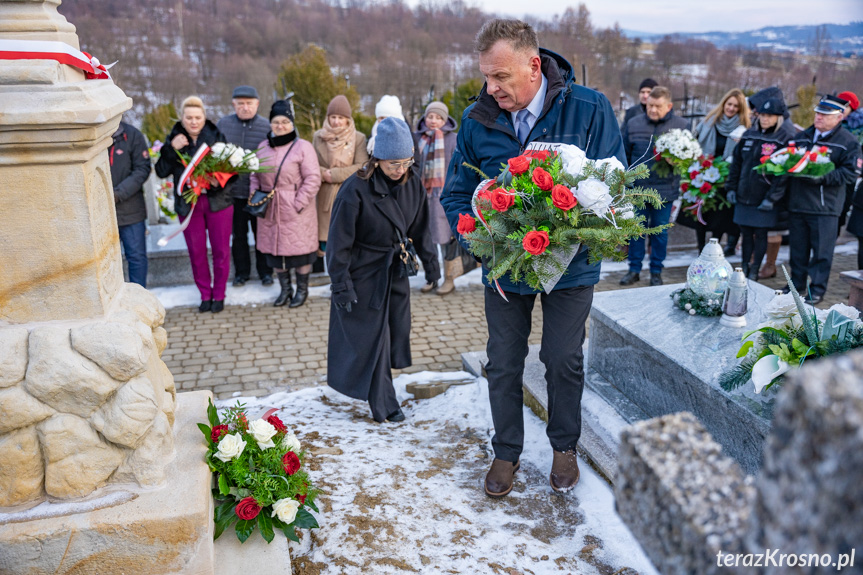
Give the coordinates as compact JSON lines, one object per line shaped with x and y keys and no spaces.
{"x":792,"y":334}
{"x":260,"y":477}
{"x":547,"y":203}
{"x":675,"y":151}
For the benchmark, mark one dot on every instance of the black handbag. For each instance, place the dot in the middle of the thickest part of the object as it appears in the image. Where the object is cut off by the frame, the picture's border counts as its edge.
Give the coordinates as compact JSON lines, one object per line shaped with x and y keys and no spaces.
{"x":409,"y":264}
{"x":260,"y":200}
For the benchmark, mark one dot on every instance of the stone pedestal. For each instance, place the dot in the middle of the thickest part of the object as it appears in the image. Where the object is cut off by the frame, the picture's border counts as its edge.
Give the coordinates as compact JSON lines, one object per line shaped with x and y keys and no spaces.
{"x":166,"y":531}
{"x":666,"y":361}
{"x":855,"y":279}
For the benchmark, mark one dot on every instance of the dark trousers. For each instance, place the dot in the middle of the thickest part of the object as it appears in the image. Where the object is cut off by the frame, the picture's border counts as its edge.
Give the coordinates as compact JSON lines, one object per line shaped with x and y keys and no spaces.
{"x":564,"y":313}
{"x":240,"y":244}
{"x":811,"y":242}
{"x":134,"y":240}
{"x":754,"y":247}
{"x":658,"y":243}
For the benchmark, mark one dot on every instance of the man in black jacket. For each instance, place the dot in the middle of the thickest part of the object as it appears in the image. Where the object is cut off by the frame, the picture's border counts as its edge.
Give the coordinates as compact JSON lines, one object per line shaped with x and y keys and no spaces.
{"x":815,"y":203}
{"x":129,"y":157}
{"x":639,"y":139}
{"x":644,"y":89}
{"x":247,"y":129}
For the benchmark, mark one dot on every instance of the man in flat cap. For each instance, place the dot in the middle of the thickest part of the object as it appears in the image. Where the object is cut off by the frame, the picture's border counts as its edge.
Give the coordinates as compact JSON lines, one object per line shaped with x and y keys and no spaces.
{"x":247,"y":129}
{"x":816,"y":203}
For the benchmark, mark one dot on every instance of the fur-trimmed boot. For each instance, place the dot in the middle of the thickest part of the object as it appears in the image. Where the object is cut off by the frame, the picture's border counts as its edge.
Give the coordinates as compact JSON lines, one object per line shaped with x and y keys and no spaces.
{"x":451,"y":270}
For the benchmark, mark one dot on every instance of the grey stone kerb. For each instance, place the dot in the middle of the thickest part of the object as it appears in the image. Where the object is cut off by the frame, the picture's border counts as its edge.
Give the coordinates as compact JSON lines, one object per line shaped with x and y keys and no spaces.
{"x":685,"y":501}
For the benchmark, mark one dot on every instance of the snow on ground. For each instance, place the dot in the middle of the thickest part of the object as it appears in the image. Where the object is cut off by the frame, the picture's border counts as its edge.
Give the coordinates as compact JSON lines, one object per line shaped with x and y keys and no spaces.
{"x":408,"y":496}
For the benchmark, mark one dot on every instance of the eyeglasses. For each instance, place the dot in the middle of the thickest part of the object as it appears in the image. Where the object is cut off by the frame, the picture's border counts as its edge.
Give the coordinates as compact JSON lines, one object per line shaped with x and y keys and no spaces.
{"x":399,"y":165}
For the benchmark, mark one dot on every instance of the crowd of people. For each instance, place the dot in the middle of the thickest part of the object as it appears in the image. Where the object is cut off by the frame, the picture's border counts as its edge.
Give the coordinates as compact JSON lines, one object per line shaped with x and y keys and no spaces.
{"x":372,"y":210}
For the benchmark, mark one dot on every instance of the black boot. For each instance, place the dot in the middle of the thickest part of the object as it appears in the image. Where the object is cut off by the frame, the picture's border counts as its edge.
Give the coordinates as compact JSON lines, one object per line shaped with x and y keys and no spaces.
{"x":302,"y":290}
{"x":753,"y":274}
{"x":287,"y":288}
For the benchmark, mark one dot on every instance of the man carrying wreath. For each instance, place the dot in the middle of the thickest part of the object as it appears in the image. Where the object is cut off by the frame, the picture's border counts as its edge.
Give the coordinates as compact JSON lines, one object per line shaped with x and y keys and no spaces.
{"x":530,"y":95}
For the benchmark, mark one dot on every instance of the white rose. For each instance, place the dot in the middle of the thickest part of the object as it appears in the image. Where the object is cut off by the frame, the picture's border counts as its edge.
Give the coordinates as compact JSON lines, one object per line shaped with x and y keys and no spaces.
{"x":593,"y":195}
{"x":263,"y":432}
{"x":286,"y":510}
{"x":572,"y":159}
{"x":230,"y":446}
{"x":217,"y":149}
{"x":612,"y":162}
{"x":626,"y":212}
{"x":712,"y":174}
{"x":781,"y":307}
{"x":846,"y":310}
{"x":697,"y":182}
{"x":291,"y":442}
{"x":780,"y":159}
{"x":254,"y":163}
{"x":236,"y":157}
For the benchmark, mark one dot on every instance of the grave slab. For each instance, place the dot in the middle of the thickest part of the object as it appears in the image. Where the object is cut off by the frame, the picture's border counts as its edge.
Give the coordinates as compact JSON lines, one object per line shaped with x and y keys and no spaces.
{"x":666,"y":361}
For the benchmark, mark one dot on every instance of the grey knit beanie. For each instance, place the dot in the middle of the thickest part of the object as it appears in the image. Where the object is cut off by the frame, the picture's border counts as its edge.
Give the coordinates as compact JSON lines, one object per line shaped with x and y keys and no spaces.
{"x":438,"y":108}
{"x":393,"y":140}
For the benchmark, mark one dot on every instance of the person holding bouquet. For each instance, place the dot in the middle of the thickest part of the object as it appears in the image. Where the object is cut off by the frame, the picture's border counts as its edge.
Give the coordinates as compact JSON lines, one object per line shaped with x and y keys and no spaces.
{"x":815,"y":203}
{"x":288,"y":235}
{"x":639,"y":137}
{"x":379,"y":212}
{"x":214,"y":211}
{"x":718,"y":134}
{"x":530,"y":95}
{"x":758,"y":198}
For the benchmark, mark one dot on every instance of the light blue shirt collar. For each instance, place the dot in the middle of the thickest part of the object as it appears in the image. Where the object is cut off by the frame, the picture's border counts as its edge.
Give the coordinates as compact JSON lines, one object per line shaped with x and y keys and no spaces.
{"x":535,"y":106}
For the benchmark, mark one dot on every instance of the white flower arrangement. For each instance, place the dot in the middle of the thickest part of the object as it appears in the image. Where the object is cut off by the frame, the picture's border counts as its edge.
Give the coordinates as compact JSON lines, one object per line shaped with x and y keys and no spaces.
{"x":679,"y":143}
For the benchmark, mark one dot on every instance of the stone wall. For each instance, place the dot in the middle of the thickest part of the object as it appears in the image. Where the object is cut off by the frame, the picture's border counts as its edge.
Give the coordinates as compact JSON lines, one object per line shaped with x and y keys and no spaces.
{"x":85,"y":403}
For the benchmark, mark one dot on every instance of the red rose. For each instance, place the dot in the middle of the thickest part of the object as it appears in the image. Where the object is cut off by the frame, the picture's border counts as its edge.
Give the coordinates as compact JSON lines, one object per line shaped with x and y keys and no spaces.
{"x":542,"y":179}
{"x":693,"y":174}
{"x":300,"y":498}
{"x":823,"y":149}
{"x":277,"y":423}
{"x":502,"y":200}
{"x":684,"y":186}
{"x":535,"y":242}
{"x":291,"y":463}
{"x":813,"y":156}
{"x":656,"y":155}
{"x":707,"y":164}
{"x":247,"y":509}
{"x":764,"y":159}
{"x":706,"y":187}
{"x":218,"y":432}
{"x":518,"y":165}
{"x":466,"y":224}
{"x":563,"y":198}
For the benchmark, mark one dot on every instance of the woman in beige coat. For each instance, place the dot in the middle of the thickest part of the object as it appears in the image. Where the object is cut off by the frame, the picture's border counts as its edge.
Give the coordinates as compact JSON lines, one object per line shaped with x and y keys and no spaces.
{"x":341,"y":151}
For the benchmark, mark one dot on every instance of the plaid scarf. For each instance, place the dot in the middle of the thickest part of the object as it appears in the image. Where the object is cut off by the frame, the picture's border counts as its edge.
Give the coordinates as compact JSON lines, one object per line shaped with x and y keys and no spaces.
{"x":434,"y":160}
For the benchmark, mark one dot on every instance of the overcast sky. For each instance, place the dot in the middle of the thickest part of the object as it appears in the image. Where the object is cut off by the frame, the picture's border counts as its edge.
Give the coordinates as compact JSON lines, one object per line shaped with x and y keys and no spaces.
{"x":668,"y":16}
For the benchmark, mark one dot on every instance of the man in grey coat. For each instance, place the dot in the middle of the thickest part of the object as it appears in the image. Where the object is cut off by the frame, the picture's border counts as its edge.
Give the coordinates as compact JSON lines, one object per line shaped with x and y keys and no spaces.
{"x":247,"y":129}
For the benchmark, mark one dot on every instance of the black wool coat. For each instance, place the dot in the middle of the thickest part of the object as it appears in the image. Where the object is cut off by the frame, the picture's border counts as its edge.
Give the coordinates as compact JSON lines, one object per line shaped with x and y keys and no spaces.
{"x":362,"y":250}
{"x":169,"y":164}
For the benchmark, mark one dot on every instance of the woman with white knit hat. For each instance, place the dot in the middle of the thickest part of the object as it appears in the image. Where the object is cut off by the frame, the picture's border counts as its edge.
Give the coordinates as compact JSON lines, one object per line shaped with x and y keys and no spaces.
{"x":387,"y":107}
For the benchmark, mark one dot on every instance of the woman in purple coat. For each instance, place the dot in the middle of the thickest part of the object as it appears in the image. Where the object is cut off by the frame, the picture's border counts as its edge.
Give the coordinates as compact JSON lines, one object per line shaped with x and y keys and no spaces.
{"x":288,"y":235}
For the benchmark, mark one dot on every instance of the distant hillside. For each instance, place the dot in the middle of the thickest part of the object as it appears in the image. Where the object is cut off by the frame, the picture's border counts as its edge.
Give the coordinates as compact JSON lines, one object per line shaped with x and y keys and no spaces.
{"x":844,"y":39}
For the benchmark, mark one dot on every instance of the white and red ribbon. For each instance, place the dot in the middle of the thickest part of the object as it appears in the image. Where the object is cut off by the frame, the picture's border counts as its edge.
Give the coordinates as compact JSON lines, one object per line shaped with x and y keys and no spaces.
{"x":184,"y":178}
{"x":53,"y":50}
{"x":483,"y":186}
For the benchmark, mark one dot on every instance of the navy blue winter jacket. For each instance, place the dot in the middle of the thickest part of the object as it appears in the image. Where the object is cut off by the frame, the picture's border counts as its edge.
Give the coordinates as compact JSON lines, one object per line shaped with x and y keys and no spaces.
{"x":571,"y":114}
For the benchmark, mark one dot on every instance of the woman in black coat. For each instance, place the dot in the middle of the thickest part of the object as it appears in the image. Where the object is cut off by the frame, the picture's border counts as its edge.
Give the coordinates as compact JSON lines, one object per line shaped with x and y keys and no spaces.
{"x":214,"y":212}
{"x":759,"y":199}
{"x":370,"y":316}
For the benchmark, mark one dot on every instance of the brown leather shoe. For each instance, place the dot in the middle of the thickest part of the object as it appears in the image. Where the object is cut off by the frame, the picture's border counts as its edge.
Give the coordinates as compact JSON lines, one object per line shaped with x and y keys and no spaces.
{"x":564,"y":471}
{"x":498,"y":481}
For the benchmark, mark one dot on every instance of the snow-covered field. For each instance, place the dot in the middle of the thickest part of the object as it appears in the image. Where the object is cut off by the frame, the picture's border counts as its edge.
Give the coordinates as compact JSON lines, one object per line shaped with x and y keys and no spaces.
{"x":408,"y":497}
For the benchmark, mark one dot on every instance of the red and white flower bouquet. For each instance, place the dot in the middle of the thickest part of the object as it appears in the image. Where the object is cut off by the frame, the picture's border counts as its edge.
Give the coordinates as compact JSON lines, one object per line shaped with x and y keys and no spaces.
{"x":548,"y":203}
{"x":260,"y":477}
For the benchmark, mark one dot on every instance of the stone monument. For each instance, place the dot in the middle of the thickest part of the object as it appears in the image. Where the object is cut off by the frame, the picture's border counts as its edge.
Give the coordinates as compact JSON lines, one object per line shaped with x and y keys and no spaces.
{"x":86,"y":403}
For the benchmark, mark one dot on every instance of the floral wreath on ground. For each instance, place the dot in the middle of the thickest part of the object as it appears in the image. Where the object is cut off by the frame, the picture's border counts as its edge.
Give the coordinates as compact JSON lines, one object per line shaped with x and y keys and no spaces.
{"x":792,"y":334}
{"x":794,"y":161}
{"x":699,"y":185}
{"x":547,"y":203}
{"x":689,"y":301}
{"x":260,"y":477}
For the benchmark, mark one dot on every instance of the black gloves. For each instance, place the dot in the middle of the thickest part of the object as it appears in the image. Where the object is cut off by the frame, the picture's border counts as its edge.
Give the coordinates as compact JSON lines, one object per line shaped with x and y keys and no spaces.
{"x":345,"y":305}
{"x":344,"y":298}
{"x":731,"y":196}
